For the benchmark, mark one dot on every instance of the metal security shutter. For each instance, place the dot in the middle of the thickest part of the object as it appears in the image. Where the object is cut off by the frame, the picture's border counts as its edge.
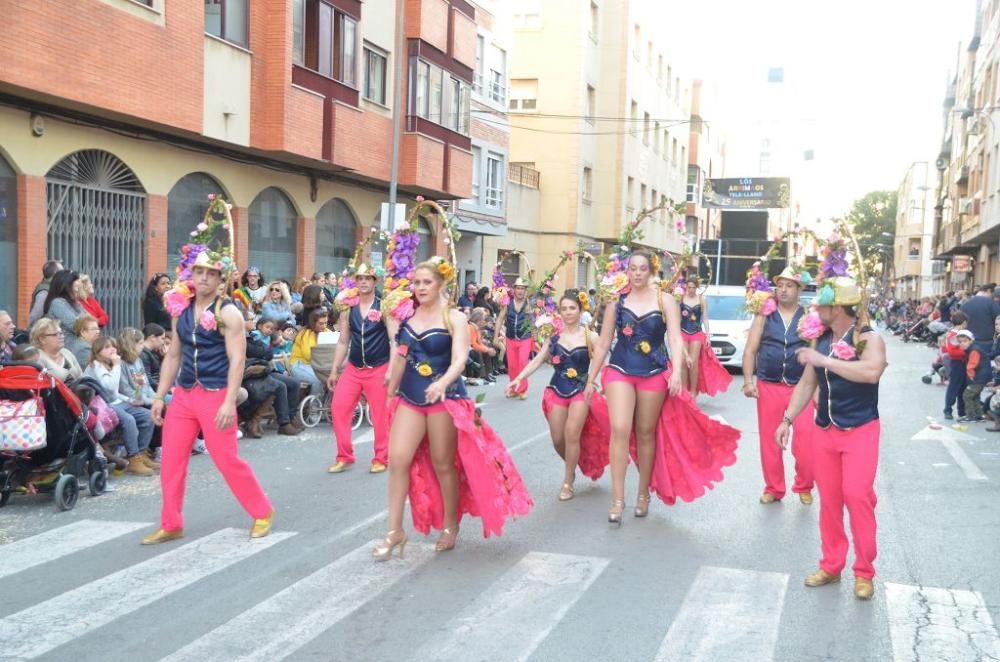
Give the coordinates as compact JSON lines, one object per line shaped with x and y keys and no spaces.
{"x":273,"y":236}
{"x":336,"y":236}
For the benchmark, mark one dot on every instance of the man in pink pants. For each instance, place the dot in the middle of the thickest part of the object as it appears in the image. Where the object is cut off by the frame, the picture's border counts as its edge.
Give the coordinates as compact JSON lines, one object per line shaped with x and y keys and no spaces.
{"x":365,"y":342}
{"x":515,"y":327}
{"x":845,"y":366}
{"x":206,"y":359}
{"x":770,"y":355}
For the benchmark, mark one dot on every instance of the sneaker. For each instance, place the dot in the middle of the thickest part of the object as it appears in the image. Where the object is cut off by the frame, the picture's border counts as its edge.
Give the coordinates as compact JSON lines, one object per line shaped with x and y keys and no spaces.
{"x":948,"y":416}
{"x":199,"y":447}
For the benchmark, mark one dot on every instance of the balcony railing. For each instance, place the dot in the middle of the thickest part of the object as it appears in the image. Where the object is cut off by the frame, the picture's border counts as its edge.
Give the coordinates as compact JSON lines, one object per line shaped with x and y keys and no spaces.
{"x":523,"y":175}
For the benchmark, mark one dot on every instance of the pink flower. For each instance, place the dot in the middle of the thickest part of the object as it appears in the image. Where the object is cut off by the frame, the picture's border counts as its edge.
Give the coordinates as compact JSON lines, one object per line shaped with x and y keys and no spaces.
{"x":420,"y":198}
{"x":404,"y":310}
{"x":556,"y":360}
{"x":844,"y":351}
{"x":207,"y":320}
{"x":211,"y":196}
{"x":628,"y":331}
{"x":374,"y":315}
{"x":403,"y":350}
{"x":685,"y":313}
{"x":175,"y":303}
{"x":769,"y":306}
{"x":811,"y":326}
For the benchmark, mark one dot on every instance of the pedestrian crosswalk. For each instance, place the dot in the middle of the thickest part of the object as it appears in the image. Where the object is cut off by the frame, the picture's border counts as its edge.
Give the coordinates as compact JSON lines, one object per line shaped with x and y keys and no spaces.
{"x":726,"y":613}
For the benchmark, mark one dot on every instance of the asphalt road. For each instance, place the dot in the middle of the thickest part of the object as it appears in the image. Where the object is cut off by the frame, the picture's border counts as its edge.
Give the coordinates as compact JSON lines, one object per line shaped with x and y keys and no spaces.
{"x":720,"y":579}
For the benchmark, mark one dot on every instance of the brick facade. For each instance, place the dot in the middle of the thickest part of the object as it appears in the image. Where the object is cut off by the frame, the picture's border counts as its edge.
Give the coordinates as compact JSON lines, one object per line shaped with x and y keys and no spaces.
{"x":32,"y":242}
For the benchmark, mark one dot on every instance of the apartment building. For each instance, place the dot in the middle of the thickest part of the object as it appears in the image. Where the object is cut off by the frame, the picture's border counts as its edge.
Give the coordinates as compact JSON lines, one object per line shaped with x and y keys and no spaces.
{"x":283,"y":106}
{"x":967,"y":207}
{"x":915,"y":273}
{"x":599,"y":120}
{"x":706,"y":159}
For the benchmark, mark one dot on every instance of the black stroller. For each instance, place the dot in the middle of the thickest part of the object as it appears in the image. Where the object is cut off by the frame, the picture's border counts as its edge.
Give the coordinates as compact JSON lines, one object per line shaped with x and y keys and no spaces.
{"x":70,"y":453}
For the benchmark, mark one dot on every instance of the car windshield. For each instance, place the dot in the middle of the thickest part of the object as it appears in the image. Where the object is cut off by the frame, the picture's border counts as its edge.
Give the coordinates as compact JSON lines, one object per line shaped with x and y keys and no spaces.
{"x":722,"y":307}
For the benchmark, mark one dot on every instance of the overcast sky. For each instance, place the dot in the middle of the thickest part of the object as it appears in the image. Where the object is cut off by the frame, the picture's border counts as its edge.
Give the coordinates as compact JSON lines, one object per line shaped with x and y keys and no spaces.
{"x":864,"y":82}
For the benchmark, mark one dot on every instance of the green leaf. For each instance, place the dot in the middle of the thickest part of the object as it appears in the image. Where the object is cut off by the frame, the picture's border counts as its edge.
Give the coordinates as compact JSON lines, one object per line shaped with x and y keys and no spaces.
{"x":480,"y":398}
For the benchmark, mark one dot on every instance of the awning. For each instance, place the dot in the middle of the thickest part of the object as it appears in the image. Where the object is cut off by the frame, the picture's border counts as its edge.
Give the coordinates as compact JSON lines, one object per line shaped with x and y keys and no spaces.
{"x":478,"y":226}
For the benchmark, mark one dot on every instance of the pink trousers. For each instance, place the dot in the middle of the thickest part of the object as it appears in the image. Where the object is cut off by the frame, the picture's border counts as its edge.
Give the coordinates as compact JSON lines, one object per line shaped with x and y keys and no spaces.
{"x":772,"y":401}
{"x":189,"y":412}
{"x":518,"y":356}
{"x":347,"y":394}
{"x":845,"y":462}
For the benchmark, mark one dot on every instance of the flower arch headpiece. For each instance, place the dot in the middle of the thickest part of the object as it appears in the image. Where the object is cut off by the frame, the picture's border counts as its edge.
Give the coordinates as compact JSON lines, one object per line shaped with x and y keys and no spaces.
{"x":501,"y":291}
{"x":836,"y":287}
{"x":612,"y":280}
{"x":760,"y":292}
{"x":207,"y":249}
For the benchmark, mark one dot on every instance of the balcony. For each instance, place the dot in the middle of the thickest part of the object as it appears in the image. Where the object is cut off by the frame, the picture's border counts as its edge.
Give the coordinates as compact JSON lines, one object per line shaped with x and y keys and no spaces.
{"x":962,"y":176}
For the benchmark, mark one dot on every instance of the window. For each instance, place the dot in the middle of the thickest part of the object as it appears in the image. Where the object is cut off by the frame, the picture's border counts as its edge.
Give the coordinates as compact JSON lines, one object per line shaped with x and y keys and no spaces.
{"x":336,"y":236}
{"x":477,"y":75}
{"x":684,"y":158}
{"x":659,"y":69}
{"x":638,"y":39}
{"x":669,"y":75}
{"x":523,"y":93}
{"x":642,"y":196}
{"x":656,"y":138}
{"x":423,"y":81}
{"x":649,"y":55}
{"x":677,"y":88}
{"x":588,"y":183}
{"x":666,"y":141}
{"x":634,"y":117}
{"x":510,"y":265}
{"x":425,"y":249}
{"x":692,"y":185}
{"x":498,"y":86}
{"x":494,"y":180}
{"x":531,"y":20}
{"x":673,"y":150}
{"x":453,"y":95}
{"x":654,"y":200}
{"x":273,"y":234}
{"x":645,"y":128}
{"x":328,"y":43}
{"x":630,"y":194}
{"x":477,"y":172}
{"x":440,"y":98}
{"x":227,"y":19}
{"x":375,"y":69}
{"x":591,"y":103}
{"x":8,"y":236}
{"x":186,"y":200}
{"x":593,"y":20}
{"x":437,"y":95}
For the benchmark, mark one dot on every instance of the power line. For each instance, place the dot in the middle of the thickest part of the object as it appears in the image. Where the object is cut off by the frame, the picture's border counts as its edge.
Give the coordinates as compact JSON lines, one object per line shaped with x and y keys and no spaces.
{"x":595,"y":118}
{"x":630,"y":131}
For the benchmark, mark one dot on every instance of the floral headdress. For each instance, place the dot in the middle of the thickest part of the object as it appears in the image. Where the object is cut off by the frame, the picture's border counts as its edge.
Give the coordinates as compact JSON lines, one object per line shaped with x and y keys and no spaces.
{"x":206,"y":249}
{"x":501,"y":292}
{"x":837,"y":288}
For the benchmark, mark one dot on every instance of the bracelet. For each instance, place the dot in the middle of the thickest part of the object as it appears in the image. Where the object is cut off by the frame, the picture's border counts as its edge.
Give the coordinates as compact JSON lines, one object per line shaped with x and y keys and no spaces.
{"x":785,"y":419}
{"x":159,"y":397}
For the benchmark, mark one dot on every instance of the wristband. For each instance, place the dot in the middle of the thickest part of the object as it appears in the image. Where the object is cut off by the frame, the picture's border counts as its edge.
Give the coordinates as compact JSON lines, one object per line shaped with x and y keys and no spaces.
{"x":159,"y":397}
{"x":785,"y":419}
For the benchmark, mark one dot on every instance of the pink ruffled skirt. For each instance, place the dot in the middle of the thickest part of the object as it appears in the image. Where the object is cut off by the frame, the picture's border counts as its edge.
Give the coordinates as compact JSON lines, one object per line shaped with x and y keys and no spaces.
{"x":713,"y":377}
{"x":490,"y":486}
{"x":595,"y":436}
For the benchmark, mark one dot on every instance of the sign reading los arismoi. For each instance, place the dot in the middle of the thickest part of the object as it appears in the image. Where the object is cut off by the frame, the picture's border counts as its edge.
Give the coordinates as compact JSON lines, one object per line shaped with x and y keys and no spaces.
{"x":747,"y":193}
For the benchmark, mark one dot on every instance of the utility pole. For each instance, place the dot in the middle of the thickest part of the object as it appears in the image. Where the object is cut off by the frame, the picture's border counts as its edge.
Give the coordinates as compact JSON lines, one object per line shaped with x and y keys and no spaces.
{"x":397,"y":99}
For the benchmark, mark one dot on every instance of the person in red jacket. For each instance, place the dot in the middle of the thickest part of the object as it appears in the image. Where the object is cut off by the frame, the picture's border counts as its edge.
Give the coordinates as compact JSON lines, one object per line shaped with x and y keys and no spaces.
{"x":89,"y":303}
{"x":956,"y":372}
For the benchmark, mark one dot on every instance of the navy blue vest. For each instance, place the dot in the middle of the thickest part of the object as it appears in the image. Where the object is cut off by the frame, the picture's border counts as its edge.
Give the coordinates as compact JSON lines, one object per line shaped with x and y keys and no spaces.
{"x":369,"y":340}
{"x":203,"y":353}
{"x":433,"y":348}
{"x":842,"y":403}
{"x":577,"y":359}
{"x":776,"y":357}
{"x":518,"y":326}
{"x":691,"y":318}
{"x":635,"y":334}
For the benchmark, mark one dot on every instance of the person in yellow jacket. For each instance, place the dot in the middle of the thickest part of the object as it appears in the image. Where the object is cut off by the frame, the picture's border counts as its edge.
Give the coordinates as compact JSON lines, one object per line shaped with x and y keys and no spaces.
{"x":302,"y":347}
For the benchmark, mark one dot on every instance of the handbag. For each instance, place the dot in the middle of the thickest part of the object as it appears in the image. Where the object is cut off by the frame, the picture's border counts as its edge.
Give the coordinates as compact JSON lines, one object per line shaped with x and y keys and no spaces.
{"x":22,"y":425}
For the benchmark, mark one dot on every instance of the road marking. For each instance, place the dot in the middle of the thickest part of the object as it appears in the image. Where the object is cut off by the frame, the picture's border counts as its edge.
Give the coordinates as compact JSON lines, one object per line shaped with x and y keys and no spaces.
{"x":517,"y":612}
{"x":972,"y":472}
{"x":63,"y":541}
{"x":939,"y":625}
{"x":931,"y":434}
{"x":521,"y":444}
{"x":43,"y":627}
{"x":303,"y":611}
{"x":727,"y":614}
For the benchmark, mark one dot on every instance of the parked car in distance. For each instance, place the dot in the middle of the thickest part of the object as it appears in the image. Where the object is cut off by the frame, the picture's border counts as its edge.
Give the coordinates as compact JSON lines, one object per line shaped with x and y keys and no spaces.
{"x":729,"y":321}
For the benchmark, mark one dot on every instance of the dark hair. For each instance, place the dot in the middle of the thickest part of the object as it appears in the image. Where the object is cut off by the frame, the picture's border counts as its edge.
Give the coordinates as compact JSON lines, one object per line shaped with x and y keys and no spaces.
{"x":985,"y":287}
{"x":315,"y":315}
{"x":51,"y":268}
{"x":24,"y":352}
{"x":573,"y":295}
{"x":61,"y":288}
{"x":642,"y":252}
{"x":852,"y":310}
{"x":312,"y":296}
{"x":317,"y":275}
{"x":151,"y":292}
{"x":152,"y":329}
{"x":288,"y":325}
{"x":266,"y":320}
{"x":245,"y":281}
{"x":958,"y":317}
{"x":98,"y":347}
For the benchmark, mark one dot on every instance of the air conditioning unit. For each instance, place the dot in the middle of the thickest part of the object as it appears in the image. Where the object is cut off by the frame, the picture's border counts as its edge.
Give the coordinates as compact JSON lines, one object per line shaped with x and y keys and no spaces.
{"x":965,"y":206}
{"x":941,"y":163}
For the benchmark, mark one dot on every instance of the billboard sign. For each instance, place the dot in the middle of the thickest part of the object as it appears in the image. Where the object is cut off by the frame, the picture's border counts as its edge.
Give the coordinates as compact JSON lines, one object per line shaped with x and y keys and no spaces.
{"x":747,"y":193}
{"x":961,"y":264}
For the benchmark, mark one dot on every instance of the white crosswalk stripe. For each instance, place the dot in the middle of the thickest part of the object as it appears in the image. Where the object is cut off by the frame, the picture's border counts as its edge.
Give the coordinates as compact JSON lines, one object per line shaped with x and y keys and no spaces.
{"x":722,"y":617}
{"x":39,"y":629}
{"x":57,"y":543}
{"x":940,"y":625}
{"x":304,"y":610}
{"x":518,"y":611}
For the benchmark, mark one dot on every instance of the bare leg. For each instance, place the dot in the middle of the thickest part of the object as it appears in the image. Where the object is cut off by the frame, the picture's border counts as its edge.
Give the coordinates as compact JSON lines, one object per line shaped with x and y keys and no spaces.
{"x":444,"y":445}
{"x":574,"y":427}
{"x":647,"y":414}
{"x":621,"y":407}
{"x":557,"y":426}
{"x":405,"y":435}
{"x":694,"y":351}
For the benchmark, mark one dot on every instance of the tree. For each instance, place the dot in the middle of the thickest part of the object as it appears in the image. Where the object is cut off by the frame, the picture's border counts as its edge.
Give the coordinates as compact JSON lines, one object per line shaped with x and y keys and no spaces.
{"x":873,"y":221}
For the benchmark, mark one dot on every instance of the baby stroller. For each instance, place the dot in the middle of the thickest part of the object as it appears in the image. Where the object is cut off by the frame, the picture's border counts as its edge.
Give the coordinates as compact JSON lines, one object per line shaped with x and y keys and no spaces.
{"x":70,"y":452}
{"x":314,"y":409}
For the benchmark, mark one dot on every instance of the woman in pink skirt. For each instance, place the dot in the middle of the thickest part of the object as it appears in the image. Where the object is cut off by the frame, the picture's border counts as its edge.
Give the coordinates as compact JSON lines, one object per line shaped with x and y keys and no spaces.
{"x":705,"y":374}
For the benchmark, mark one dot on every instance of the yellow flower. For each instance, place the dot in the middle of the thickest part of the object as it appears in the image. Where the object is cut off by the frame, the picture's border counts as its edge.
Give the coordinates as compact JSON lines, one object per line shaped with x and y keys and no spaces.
{"x":425,"y":370}
{"x":571,"y":373}
{"x":446,"y":270}
{"x":644,"y":347}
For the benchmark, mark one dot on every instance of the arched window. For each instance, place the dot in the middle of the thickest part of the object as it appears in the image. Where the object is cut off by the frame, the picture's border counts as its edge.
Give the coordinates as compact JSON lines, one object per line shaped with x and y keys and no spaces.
{"x":336,"y":236}
{"x":8,"y":238}
{"x":186,"y":205}
{"x":426,"y":248}
{"x":273,"y":235}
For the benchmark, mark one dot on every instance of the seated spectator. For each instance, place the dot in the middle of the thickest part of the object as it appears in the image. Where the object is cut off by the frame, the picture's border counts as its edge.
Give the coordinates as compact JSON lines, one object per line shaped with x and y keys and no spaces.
{"x":298,"y":285}
{"x":7,"y":330}
{"x":479,"y":351}
{"x":302,"y":347}
{"x":263,"y":384}
{"x":85,"y":295}
{"x":136,"y":422}
{"x":62,"y":304}
{"x":153,"y":309}
{"x":38,"y":297}
{"x":278,"y":303}
{"x":312,"y":299}
{"x":85,"y":332}
{"x":153,"y":349}
{"x":26,"y":353}
{"x":319,"y":280}
{"x":50,"y":340}
{"x":255,"y":286}
{"x":133,"y":387}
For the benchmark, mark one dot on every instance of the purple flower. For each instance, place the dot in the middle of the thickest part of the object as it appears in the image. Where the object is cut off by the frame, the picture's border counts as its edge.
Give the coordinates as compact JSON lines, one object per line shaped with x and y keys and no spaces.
{"x":835,"y":264}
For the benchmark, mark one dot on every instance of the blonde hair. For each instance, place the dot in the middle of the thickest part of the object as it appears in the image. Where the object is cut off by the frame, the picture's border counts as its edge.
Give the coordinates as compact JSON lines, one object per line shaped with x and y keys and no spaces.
{"x":432,"y":266}
{"x":130,"y":344}
{"x":43,"y":326}
{"x":81,"y":323}
{"x":285,"y":296}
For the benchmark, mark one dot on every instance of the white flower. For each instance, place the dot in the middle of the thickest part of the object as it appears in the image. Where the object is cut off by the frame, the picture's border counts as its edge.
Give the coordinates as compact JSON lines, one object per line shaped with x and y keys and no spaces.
{"x":194,"y":233}
{"x":202,"y":227}
{"x":229,"y":206}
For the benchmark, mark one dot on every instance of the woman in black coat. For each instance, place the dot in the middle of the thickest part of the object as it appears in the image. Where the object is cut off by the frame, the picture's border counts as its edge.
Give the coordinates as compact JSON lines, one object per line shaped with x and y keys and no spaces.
{"x":153,"y":310}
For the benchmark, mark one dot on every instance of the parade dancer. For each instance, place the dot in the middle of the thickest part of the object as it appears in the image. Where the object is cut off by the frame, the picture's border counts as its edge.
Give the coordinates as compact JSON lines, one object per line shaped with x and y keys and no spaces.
{"x":441,"y":451}
{"x":770,"y":355}
{"x":206,"y":359}
{"x":515,"y":326}
{"x":704,"y":372}
{"x":579,"y":433}
{"x":845,"y":366}
{"x":679,"y":450}
{"x":364,"y":340}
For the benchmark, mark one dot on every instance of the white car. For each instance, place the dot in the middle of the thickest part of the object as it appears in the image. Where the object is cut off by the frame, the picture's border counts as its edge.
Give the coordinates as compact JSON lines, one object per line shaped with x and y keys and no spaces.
{"x":729,"y":321}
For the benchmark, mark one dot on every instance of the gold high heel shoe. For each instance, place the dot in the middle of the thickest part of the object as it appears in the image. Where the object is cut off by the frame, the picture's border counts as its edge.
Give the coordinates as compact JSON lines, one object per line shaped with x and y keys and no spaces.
{"x":615,"y":514}
{"x":442,"y":545}
{"x":384,"y":552}
{"x":566,"y":492}
{"x":643,"y":501}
